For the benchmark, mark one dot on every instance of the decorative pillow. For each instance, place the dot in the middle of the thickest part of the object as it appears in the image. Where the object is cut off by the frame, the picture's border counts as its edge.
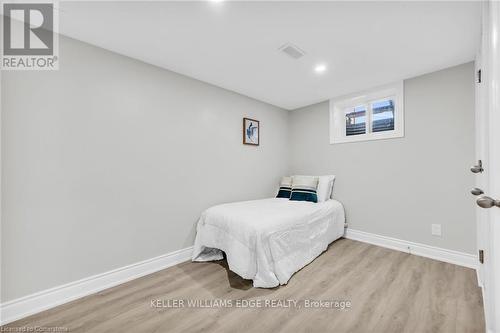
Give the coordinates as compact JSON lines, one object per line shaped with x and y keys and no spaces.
{"x":304,"y":188}
{"x":285,"y":188}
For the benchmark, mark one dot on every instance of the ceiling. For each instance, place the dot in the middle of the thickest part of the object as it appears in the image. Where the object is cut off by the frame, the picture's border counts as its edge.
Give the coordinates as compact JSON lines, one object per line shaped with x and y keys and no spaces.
{"x":234,"y":45}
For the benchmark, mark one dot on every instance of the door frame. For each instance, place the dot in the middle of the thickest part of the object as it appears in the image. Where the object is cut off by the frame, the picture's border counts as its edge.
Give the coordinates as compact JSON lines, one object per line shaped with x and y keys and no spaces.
{"x":488,"y":144}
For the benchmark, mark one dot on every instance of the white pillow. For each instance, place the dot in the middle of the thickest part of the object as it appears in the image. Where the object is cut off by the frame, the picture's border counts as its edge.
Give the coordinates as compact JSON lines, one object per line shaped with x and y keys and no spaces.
{"x":325,"y":187}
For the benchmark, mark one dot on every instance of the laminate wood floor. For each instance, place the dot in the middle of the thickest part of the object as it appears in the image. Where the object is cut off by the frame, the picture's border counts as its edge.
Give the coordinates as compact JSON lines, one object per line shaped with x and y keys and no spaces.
{"x":389,"y":291}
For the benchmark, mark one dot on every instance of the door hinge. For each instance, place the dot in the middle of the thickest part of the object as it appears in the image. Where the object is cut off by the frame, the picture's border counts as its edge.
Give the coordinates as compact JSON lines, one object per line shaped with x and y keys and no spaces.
{"x":479,"y":76}
{"x":481,"y":256}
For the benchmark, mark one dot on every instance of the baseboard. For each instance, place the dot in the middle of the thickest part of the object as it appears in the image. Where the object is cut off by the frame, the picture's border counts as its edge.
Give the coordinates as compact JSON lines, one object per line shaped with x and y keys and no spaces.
{"x":44,"y":300}
{"x":437,"y":253}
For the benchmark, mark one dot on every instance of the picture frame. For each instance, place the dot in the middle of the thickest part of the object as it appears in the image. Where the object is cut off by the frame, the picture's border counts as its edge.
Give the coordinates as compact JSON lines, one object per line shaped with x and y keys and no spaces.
{"x":251,"y":132}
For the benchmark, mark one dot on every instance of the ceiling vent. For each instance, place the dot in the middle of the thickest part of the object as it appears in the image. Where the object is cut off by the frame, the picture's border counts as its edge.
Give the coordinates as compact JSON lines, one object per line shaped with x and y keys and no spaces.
{"x":292,"y":51}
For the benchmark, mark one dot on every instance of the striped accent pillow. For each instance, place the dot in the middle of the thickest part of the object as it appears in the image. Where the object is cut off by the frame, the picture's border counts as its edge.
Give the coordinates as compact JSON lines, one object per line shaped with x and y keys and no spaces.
{"x":285,"y":188}
{"x":304,"y":188}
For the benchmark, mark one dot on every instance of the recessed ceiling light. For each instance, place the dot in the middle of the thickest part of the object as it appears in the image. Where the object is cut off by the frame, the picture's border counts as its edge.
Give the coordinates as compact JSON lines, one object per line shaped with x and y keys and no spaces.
{"x":320,"y":68}
{"x":216,"y":1}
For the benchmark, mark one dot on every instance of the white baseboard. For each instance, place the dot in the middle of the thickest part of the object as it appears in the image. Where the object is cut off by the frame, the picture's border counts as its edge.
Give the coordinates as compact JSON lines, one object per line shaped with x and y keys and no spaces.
{"x":437,"y":253}
{"x":46,"y":299}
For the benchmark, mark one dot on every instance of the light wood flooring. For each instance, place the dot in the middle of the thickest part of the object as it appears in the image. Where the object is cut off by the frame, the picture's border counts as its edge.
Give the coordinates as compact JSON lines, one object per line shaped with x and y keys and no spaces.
{"x":389,"y":291}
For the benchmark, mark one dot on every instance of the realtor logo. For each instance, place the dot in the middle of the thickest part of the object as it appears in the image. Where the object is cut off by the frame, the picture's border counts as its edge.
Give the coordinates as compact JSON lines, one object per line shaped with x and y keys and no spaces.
{"x":30,"y":40}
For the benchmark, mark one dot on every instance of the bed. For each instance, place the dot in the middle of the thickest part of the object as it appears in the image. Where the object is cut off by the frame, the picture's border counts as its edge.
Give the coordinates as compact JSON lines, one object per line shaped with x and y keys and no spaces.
{"x":268,"y":240}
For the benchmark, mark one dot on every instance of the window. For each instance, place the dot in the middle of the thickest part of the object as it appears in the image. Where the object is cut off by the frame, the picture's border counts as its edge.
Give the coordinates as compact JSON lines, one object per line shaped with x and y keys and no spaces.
{"x":355,"y":120}
{"x":369,"y":115}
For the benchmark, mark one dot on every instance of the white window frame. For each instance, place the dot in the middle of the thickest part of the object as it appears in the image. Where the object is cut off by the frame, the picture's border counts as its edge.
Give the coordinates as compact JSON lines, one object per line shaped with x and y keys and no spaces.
{"x":395,"y":91}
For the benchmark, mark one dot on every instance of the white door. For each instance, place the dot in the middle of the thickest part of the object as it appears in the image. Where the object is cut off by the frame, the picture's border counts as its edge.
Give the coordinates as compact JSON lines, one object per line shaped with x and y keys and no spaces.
{"x":488,"y":149}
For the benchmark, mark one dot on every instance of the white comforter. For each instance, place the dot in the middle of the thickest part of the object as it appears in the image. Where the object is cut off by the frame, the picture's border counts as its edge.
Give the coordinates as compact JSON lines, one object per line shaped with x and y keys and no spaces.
{"x":268,"y":240}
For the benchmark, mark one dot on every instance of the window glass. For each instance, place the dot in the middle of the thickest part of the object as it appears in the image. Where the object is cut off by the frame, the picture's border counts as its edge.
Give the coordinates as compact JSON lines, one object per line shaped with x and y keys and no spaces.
{"x":383,"y":115}
{"x":355,"y":120}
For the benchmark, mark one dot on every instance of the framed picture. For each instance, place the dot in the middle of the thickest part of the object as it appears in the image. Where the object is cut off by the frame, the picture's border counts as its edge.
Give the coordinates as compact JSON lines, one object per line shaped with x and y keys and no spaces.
{"x":251,"y":131}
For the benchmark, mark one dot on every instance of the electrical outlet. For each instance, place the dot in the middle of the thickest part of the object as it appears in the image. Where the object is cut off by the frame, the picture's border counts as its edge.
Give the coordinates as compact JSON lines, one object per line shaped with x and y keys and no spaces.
{"x":436,"y":229}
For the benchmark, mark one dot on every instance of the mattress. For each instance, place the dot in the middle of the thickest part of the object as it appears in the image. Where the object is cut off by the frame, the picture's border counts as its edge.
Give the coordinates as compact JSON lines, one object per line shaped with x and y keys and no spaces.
{"x":268,"y":240}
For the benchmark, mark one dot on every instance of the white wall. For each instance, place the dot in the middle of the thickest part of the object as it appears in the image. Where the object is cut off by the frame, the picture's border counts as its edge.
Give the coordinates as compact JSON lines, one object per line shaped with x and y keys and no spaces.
{"x":110,"y":161}
{"x":399,"y":187}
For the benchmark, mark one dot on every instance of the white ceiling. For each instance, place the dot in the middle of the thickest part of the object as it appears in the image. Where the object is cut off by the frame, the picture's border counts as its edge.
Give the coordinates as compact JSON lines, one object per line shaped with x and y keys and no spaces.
{"x":234,"y":45}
